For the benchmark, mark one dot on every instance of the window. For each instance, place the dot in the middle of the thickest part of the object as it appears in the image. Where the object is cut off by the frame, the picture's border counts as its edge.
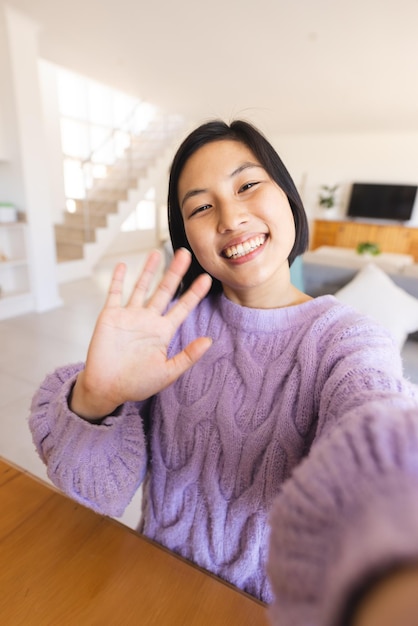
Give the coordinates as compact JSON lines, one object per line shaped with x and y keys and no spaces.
{"x":96,"y":126}
{"x":144,"y":215}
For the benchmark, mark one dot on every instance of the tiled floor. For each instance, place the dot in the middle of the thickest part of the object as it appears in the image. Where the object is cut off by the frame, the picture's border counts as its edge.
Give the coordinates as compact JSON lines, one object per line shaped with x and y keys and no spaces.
{"x":33,"y":345}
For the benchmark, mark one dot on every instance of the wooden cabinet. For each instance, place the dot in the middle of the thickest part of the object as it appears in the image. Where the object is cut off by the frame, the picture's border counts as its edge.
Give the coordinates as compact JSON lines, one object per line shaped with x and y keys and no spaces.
{"x":345,"y":234}
{"x":413,"y":242}
{"x":324,"y":233}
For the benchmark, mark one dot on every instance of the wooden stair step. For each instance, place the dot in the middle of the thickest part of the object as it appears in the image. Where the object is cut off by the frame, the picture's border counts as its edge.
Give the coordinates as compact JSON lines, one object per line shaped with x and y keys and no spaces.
{"x":74,"y":234}
{"x":96,"y":207}
{"x":69,"y":251}
{"x":119,"y":171}
{"x":115,"y":183}
{"x":107,"y":195}
{"x":81,"y":219}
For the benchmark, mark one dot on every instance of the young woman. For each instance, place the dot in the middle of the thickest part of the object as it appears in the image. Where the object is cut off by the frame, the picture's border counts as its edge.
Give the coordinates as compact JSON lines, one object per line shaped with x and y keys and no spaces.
{"x":242,"y":398}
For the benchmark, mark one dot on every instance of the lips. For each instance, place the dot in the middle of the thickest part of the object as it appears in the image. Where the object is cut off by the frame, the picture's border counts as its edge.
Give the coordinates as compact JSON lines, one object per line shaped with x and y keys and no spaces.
{"x":243,"y":248}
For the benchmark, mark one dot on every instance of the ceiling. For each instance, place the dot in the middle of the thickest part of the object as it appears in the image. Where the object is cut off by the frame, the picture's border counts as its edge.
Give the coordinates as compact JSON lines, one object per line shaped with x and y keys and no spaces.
{"x":301,"y":66}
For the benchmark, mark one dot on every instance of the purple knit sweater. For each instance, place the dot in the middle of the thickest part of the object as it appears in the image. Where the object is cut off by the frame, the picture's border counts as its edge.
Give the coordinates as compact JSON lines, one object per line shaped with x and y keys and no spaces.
{"x":304,"y":405}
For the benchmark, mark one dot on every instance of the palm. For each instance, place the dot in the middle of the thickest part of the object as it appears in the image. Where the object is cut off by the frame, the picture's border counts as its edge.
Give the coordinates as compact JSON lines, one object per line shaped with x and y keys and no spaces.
{"x":127,"y":357}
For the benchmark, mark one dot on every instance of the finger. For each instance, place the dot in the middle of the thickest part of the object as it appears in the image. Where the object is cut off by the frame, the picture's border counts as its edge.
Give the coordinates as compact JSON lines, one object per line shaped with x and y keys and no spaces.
{"x":171,"y":280}
{"x":114,"y":294}
{"x":184,"y":360}
{"x":145,"y":279}
{"x":189,"y":300}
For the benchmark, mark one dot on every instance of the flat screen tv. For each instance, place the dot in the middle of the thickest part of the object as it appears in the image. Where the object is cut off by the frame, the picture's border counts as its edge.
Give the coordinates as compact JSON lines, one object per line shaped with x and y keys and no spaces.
{"x":383,"y":202}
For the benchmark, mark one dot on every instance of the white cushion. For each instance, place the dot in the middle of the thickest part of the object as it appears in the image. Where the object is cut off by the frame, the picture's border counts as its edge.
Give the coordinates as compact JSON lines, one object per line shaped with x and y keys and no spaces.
{"x":373,"y":293}
{"x":410,"y":270}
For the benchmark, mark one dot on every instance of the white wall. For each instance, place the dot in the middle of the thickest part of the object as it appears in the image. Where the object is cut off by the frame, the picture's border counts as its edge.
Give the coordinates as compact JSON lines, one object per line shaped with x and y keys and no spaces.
{"x":130,"y":242}
{"x":11,"y":187}
{"x":328,"y":159}
{"x":52,"y":130}
{"x":23,"y":45}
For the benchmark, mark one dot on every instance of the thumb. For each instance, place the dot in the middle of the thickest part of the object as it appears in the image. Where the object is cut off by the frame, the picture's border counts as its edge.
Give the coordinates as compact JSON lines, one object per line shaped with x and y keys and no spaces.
{"x":185,"y":359}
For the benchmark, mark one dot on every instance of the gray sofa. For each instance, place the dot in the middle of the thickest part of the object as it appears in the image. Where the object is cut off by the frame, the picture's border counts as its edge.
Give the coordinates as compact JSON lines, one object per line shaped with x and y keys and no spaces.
{"x":320,"y":279}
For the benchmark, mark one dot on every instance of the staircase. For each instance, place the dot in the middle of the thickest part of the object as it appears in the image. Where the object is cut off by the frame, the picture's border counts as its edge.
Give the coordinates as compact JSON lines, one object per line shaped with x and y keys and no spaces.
{"x":85,"y":233}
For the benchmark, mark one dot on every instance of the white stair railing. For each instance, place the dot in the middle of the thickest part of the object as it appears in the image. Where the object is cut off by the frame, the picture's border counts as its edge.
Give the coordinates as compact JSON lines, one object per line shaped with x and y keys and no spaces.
{"x":114,"y":167}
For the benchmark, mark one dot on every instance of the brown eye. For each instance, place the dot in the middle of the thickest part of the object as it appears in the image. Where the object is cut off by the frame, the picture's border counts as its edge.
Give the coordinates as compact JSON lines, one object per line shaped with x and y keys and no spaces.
{"x":200,"y":209}
{"x":247,"y":186}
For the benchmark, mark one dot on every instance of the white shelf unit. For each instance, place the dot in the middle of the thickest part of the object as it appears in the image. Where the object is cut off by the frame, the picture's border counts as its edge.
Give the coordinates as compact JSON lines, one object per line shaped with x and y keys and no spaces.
{"x":15,"y":290}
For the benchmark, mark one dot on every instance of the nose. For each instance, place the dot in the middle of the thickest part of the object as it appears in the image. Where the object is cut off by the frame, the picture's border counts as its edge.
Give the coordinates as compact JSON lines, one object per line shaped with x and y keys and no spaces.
{"x":231,"y":215}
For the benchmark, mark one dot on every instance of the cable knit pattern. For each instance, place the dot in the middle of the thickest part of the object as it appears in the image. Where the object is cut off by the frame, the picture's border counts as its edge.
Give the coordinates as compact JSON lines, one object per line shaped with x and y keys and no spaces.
{"x":229,"y":433}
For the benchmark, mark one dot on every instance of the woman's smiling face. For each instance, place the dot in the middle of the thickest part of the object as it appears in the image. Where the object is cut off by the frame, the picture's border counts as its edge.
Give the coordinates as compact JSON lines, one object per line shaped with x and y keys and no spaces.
{"x":238,"y":222}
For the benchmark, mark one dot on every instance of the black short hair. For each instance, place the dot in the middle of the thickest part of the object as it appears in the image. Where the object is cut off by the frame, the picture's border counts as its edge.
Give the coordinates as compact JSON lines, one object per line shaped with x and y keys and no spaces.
{"x":247,"y":134}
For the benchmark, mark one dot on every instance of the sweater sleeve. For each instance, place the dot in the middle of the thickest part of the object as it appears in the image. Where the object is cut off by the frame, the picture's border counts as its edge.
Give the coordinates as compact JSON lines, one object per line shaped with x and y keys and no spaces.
{"x":100,"y":466}
{"x":349,"y":510}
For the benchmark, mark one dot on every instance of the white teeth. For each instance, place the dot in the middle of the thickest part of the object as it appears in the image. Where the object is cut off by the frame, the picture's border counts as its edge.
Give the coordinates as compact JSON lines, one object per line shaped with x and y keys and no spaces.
{"x":244,"y":248}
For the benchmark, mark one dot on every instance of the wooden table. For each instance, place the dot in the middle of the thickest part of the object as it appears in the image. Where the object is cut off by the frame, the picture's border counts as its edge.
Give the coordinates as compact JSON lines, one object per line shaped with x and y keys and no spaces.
{"x":62,"y":564}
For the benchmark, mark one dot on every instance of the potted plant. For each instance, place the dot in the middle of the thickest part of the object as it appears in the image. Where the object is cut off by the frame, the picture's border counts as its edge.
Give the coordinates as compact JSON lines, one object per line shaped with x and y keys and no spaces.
{"x":367,"y":247}
{"x":327,"y":196}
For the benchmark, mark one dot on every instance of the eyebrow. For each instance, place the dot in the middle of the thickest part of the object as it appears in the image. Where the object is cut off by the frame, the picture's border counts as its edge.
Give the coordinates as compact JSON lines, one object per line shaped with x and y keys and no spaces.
{"x":195,"y":192}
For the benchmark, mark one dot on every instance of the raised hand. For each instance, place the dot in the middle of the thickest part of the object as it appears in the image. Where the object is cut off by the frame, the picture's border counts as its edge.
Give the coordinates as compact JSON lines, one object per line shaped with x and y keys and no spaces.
{"x":127,"y":356}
